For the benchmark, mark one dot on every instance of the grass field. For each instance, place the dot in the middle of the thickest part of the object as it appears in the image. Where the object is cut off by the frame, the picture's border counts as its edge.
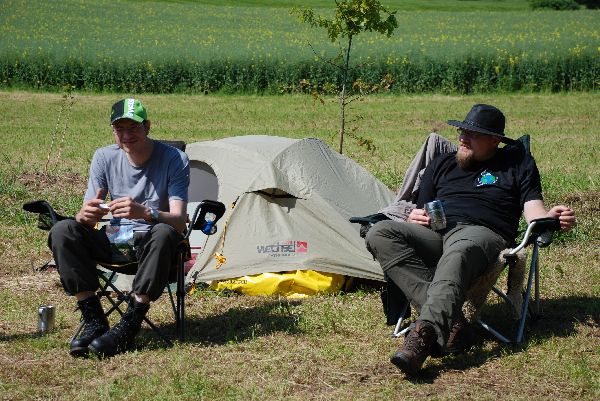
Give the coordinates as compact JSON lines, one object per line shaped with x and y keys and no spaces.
{"x":334,"y":347}
{"x":258,"y":47}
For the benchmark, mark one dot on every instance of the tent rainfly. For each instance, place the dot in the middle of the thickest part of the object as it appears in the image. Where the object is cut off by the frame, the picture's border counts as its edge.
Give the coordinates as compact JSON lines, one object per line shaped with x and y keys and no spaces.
{"x":288,"y":204}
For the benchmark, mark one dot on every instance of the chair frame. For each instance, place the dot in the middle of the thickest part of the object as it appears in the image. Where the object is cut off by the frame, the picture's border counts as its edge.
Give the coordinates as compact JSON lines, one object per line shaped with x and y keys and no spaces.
{"x":178,"y":304}
{"x":539,"y":233}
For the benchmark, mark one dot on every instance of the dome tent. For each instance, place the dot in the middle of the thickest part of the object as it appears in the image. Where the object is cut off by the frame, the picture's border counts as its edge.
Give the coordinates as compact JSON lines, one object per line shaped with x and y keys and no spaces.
{"x":289,"y":201}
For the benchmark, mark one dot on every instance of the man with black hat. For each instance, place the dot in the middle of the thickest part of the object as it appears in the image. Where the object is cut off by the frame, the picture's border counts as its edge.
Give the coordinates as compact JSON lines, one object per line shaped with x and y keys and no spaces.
{"x":483,"y":189}
{"x":148,"y":186}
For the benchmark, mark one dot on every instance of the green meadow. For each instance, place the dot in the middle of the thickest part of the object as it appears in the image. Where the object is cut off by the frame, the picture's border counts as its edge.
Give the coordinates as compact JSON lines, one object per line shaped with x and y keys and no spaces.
{"x":209,"y":69}
{"x":259,"y":47}
{"x":321,"y":348}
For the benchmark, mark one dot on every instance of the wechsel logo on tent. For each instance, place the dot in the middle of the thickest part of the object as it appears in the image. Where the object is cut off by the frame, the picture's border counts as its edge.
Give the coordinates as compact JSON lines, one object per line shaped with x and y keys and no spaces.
{"x":284,"y":248}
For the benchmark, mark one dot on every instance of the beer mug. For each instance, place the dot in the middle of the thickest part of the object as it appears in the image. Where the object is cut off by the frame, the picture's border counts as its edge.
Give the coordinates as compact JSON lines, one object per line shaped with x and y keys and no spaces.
{"x":435,"y":211}
{"x":46,"y":314}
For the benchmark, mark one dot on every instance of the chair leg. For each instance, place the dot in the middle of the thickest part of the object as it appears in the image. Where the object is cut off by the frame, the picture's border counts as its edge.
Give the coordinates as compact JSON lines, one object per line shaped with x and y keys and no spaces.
{"x":180,"y":313}
{"x":122,"y":298}
{"x":532,"y":283}
{"x":397,"y":331}
{"x":532,"y":274}
{"x":537,"y":312}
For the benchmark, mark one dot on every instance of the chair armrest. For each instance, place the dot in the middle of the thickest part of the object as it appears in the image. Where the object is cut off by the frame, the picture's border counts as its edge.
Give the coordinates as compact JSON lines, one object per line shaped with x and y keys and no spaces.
{"x":205,"y":217}
{"x":540,"y":230}
{"x":543,"y":230}
{"x":47,"y":216}
{"x":367,"y":222}
{"x":370,"y":219}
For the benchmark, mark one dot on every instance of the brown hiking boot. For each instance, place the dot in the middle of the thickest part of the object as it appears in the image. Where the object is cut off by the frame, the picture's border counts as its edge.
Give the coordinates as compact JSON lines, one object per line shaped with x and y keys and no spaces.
{"x":461,"y":336}
{"x":417,"y":346}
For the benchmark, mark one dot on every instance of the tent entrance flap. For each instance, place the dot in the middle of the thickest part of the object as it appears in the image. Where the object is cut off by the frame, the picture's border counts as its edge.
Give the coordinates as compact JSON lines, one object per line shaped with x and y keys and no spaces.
{"x":275,"y":193}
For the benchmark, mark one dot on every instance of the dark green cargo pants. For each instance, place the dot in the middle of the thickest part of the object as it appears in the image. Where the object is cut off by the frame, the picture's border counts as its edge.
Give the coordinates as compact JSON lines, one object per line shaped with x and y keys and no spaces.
{"x":434,"y":270}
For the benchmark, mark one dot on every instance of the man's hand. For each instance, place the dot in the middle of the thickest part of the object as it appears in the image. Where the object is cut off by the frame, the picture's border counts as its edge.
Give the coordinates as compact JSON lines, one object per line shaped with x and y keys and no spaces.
{"x":565,"y":215}
{"x":418,"y":216}
{"x":127,"y":208}
{"x":90,"y":214}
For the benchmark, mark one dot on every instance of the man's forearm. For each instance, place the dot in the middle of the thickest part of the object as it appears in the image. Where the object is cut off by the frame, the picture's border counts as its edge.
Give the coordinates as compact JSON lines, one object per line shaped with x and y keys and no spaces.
{"x":534,"y":209}
{"x":176,"y":221}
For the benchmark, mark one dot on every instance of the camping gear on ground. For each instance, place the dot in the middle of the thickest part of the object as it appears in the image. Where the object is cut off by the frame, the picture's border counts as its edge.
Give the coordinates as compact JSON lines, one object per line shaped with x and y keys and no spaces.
{"x":294,"y":284}
{"x":289,"y":201}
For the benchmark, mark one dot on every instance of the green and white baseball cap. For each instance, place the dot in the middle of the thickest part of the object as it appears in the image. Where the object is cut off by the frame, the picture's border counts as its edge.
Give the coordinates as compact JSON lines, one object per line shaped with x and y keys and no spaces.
{"x":132,"y":109}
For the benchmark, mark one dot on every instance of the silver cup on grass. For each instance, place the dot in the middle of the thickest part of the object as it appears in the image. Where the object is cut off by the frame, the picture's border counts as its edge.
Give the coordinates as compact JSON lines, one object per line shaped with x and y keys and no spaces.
{"x":46,"y":318}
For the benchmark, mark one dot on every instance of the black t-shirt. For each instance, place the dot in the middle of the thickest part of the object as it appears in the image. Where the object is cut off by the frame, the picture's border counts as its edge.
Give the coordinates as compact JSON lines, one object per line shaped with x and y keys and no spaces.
{"x":491,"y":193}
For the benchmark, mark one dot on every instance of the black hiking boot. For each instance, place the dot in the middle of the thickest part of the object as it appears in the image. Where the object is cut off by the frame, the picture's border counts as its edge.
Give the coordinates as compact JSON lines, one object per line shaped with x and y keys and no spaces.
{"x":95,"y":324}
{"x":417,"y":346}
{"x":121,"y":337}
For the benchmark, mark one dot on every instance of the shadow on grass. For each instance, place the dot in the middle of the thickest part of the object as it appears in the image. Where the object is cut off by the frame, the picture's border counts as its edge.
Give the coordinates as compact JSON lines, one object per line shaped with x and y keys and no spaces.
{"x":20,"y":336}
{"x":235,"y":325}
{"x":558,"y":319}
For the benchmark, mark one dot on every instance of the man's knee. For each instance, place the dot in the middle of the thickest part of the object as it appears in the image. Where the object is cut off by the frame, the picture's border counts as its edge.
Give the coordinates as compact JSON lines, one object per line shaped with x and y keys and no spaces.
{"x":471,"y":252}
{"x":163,"y":230}
{"x":164,"y":235}
{"x":382,"y":234}
{"x":461,"y":264}
{"x":63,"y":230}
{"x":477,"y":240}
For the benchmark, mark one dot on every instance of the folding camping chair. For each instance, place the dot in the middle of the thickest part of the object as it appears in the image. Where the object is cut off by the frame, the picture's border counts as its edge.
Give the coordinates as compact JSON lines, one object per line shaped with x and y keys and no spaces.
{"x":205,"y":217}
{"x":538,"y":233}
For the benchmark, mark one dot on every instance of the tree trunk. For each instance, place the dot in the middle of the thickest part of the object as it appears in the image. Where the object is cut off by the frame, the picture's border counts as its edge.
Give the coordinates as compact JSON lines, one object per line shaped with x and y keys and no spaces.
{"x":343,"y":95}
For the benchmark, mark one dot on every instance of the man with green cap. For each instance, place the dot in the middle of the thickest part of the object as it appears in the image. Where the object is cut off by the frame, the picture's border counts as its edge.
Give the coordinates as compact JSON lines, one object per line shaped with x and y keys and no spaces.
{"x":147,"y":182}
{"x":484,"y":190}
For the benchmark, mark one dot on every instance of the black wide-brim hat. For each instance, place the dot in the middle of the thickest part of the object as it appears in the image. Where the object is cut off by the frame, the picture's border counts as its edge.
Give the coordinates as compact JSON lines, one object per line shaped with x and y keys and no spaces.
{"x":484,"y":119}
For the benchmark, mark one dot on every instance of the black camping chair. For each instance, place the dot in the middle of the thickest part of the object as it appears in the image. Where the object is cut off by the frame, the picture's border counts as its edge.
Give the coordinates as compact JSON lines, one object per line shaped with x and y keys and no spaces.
{"x":538,"y":233}
{"x":47,"y":217}
{"x":205,"y":217}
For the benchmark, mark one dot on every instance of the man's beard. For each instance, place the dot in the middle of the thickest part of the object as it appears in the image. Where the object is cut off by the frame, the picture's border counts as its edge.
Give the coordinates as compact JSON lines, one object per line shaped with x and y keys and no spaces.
{"x":465,"y":160}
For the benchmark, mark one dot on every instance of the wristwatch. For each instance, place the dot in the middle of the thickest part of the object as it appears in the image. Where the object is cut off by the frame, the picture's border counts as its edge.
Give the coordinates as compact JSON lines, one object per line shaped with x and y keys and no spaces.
{"x":154,"y":215}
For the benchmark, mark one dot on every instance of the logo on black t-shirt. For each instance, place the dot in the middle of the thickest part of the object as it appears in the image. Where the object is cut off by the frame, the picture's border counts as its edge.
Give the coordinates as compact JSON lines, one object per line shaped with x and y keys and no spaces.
{"x":486,"y":178}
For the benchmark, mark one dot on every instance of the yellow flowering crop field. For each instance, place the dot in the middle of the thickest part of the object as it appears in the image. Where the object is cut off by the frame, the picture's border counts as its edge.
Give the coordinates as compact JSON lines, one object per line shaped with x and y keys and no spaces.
{"x":199,"y":47}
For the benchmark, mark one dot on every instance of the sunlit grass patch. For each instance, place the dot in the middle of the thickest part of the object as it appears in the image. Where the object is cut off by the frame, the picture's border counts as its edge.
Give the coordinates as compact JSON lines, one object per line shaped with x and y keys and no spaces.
{"x":325,"y":347}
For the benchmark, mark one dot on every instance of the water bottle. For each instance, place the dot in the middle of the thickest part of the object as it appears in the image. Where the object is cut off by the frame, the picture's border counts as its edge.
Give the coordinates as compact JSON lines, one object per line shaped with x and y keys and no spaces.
{"x":209,"y":225}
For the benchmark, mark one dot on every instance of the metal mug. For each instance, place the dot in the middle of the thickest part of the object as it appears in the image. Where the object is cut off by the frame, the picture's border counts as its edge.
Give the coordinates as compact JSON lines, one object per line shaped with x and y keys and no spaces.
{"x":46,"y":316}
{"x":435,"y":211}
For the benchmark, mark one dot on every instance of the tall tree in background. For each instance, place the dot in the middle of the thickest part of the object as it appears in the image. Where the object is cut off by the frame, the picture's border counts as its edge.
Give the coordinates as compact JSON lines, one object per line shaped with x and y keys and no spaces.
{"x":351,"y":18}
